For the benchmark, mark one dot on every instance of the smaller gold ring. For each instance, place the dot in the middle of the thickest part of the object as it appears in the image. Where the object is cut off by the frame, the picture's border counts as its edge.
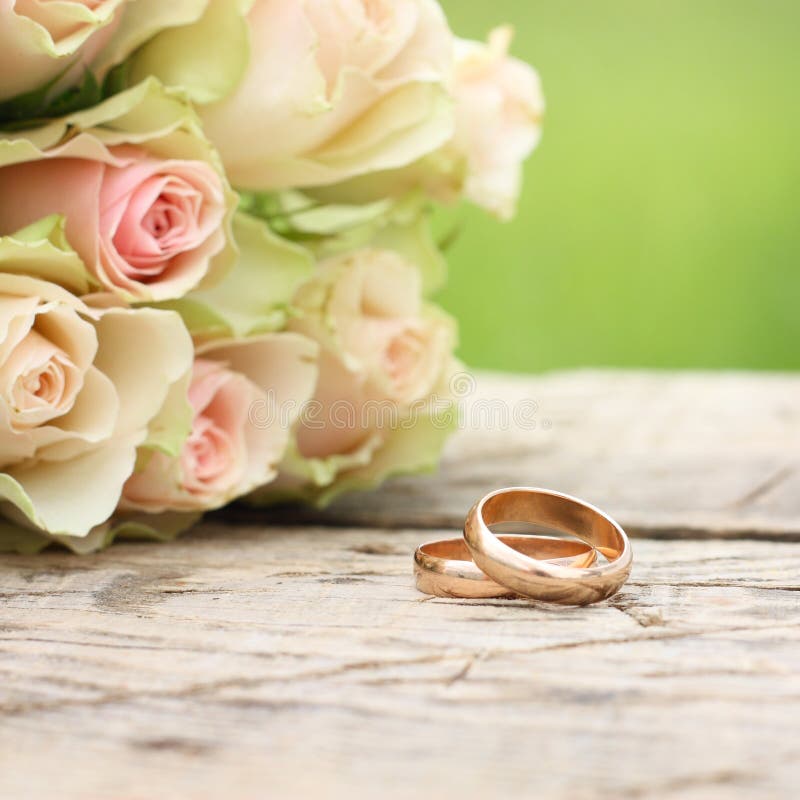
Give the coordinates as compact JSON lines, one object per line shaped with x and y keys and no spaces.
{"x":446,"y":569}
{"x":541,"y":580}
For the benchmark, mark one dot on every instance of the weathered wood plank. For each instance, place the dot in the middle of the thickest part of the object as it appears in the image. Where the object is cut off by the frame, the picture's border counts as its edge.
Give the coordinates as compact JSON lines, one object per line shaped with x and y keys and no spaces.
{"x":669,"y":454}
{"x":251,"y":663}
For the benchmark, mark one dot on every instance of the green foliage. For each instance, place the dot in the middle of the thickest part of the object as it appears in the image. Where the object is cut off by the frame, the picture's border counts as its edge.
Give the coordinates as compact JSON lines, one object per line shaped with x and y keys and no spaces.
{"x":658,"y":223}
{"x":29,"y":109}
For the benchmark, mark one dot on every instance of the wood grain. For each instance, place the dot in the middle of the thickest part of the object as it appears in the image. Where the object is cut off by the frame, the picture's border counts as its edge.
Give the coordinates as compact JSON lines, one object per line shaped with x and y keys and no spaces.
{"x":291,"y":661}
{"x":301,"y":662}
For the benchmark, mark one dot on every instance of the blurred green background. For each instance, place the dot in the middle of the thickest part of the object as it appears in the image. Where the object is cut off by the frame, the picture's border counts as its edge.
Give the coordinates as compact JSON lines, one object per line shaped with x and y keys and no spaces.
{"x":659,"y":221}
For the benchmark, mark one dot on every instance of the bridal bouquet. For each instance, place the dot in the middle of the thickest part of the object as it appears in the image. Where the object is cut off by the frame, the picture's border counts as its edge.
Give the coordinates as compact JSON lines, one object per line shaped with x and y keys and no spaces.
{"x":215,"y":260}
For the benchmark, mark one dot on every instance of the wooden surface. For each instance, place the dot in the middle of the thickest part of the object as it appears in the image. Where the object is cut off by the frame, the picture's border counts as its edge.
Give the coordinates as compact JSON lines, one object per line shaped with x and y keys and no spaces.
{"x":255,"y":660}
{"x":670,"y":455}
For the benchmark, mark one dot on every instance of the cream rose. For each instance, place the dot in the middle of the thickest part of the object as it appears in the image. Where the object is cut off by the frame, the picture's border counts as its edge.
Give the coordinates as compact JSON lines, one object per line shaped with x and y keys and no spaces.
{"x":42,"y":41}
{"x":79,"y":389}
{"x":498,"y":113}
{"x":148,"y":223}
{"x":381,"y":345}
{"x":499,"y":109}
{"x":245,"y":395}
{"x":385,"y":362}
{"x":334,"y":88}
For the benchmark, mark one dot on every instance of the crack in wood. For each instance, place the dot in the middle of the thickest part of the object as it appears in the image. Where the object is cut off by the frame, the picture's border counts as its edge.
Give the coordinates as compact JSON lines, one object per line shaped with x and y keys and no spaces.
{"x":242,"y":682}
{"x":687,"y":783}
{"x":641,"y":615}
{"x":772,"y":482}
{"x":661,"y":636}
{"x":186,"y":747}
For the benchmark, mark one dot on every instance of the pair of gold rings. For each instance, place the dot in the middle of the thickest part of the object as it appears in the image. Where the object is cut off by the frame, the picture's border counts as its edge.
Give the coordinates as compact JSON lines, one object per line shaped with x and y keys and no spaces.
{"x":555,"y":570}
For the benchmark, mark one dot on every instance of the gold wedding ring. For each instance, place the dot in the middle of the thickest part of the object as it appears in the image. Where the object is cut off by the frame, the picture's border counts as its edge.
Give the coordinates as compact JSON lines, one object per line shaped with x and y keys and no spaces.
{"x":445,"y":568}
{"x":531,"y":577}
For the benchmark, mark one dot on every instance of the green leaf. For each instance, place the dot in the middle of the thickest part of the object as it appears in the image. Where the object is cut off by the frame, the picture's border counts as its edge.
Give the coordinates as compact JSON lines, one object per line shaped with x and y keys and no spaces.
{"x":86,"y":94}
{"x":117,"y":79}
{"x":30,"y":104}
{"x":27,"y":109}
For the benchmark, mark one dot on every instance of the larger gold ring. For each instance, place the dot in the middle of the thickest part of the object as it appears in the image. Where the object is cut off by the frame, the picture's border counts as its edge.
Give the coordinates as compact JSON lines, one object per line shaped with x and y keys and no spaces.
{"x":540,"y":580}
{"x":446,"y":569}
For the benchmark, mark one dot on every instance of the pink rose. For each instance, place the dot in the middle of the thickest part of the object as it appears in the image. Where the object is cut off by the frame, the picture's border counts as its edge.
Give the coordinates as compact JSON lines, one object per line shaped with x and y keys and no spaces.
{"x":146,"y":228}
{"x":234,"y":446}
